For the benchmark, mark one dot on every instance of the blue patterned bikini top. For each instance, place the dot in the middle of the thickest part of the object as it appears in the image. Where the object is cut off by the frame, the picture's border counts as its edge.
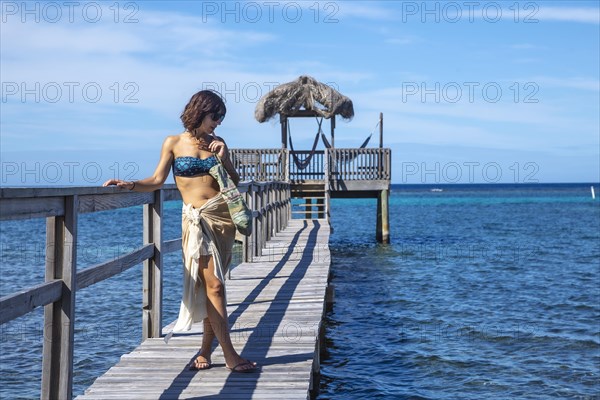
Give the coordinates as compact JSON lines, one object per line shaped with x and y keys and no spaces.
{"x":192,"y":166}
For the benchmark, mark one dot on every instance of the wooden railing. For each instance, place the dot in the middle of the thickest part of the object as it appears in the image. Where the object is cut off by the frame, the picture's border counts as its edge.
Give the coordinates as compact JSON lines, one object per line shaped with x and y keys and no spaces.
{"x":314,"y":168}
{"x":328,"y":164}
{"x":360,"y":164}
{"x":270,"y":202}
{"x":261,"y":165}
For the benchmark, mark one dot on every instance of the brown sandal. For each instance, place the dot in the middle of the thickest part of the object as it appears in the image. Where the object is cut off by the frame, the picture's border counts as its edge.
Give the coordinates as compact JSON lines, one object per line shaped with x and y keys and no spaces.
{"x":238,"y":368}
{"x":202,"y":361}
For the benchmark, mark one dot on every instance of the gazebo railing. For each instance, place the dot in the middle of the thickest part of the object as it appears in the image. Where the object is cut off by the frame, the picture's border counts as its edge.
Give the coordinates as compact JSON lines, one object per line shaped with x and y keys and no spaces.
{"x":260,"y":164}
{"x":342,"y":164}
{"x":314,"y":168}
{"x":360,"y":164}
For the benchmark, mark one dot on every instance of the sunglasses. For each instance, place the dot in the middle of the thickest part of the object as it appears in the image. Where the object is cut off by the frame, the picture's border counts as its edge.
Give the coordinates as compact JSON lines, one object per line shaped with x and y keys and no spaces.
{"x":218,"y":117}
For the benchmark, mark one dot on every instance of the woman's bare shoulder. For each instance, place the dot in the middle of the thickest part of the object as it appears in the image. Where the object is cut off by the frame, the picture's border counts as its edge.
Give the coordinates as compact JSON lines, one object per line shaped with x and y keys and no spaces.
{"x":172,"y":140}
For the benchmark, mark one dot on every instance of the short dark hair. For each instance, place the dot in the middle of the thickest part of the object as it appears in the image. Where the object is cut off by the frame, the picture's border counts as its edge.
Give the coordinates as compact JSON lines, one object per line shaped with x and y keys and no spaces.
{"x":202,"y":103}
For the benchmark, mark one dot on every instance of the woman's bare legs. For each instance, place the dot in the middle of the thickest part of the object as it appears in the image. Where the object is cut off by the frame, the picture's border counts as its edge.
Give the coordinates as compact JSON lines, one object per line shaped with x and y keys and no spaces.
{"x":217,"y":316}
{"x":208,"y":336}
{"x":202,"y":360}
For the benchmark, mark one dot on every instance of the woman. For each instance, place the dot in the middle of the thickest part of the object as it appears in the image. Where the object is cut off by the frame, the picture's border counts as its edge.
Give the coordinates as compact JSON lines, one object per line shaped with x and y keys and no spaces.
{"x":208,"y":232}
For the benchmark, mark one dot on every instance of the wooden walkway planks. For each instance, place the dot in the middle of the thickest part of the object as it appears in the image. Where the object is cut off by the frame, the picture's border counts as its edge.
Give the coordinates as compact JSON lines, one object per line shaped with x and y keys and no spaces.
{"x":275,"y":307}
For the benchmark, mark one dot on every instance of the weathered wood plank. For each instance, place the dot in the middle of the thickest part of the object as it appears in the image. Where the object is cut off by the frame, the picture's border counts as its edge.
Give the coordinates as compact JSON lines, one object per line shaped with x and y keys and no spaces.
{"x":275,"y":311}
{"x":100,"y":272}
{"x":20,"y":303}
{"x":23,"y":192}
{"x":102,"y":202}
{"x":26,"y":208}
{"x":59,"y":317}
{"x":170,"y":246}
{"x":61,"y":206}
{"x":171,"y":193}
{"x":152,"y":270}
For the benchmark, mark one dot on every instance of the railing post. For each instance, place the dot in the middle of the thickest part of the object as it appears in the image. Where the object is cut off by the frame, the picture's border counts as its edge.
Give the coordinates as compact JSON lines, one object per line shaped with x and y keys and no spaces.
{"x":265,"y":200}
{"x":288,"y":214}
{"x":286,"y":158}
{"x":152,"y":270}
{"x":279,"y":207}
{"x":275,"y":208}
{"x":246,"y":239}
{"x":266,"y":208}
{"x":261,"y":219}
{"x":380,"y":161}
{"x":255,"y":226}
{"x":249,"y":240}
{"x":271,"y":197}
{"x":275,"y":212}
{"x":327,"y":183}
{"x":59,"y":317}
{"x":267,"y":212}
{"x":389,"y":164}
{"x":380,"y":130}
{"x":284,"y":209}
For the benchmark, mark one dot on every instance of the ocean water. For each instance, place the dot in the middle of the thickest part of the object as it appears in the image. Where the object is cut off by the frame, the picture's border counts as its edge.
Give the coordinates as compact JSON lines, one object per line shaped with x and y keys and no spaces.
{"x":486,"y":291}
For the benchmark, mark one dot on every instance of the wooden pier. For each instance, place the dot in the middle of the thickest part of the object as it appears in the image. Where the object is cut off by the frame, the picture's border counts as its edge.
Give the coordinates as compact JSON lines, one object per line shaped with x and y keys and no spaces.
{"x":275,"y":305}
{"x":276,"y":298}
{"x":57,"y":294}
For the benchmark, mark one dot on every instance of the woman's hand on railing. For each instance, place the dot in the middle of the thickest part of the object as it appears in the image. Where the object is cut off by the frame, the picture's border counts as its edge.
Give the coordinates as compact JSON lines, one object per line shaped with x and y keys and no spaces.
{"x":129,"y":185}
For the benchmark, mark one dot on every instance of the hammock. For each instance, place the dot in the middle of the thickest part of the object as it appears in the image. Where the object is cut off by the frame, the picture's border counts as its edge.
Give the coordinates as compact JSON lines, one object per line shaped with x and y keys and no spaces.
{"x":328,"y":145}
{"x":302,"y":164}
{"x":344,"y":157}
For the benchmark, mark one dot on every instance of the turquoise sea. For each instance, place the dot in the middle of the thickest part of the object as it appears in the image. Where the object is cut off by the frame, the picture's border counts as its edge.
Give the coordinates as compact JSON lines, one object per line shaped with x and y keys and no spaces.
{"x":486,"y":292}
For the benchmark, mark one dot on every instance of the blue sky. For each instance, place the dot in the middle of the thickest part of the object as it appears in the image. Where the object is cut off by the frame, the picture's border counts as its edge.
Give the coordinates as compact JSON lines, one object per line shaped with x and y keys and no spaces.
{"x":472,"y":91}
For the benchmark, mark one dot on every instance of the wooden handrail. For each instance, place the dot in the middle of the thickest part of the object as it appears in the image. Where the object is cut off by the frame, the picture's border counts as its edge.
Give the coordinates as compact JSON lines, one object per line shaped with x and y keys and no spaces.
{"x":100,"y":272}
{"x":24,"y":301}
{"x":270,"y":202}
{"x":337,"y":164}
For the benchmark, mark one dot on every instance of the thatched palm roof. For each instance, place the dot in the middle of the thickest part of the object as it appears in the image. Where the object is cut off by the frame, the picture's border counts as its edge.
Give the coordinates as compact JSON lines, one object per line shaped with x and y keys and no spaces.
{"x":304,"y":93}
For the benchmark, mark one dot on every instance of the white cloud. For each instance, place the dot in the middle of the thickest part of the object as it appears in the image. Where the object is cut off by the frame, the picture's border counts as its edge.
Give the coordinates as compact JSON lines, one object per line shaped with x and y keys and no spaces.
{"x":578,"y":83}
{"x":419,"y":11}
{"x":169,"y":56}
{"x":403,"y":40}
{"x":504,"y":125}
{"x":567,"y":14}
{"x":362,"y":10}
{"x":167,"y":33}
{"x":163,"y":59}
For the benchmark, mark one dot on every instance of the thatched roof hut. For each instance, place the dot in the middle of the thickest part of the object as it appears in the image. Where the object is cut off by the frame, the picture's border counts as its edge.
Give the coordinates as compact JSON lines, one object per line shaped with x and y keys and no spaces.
{"x":304,"y":94}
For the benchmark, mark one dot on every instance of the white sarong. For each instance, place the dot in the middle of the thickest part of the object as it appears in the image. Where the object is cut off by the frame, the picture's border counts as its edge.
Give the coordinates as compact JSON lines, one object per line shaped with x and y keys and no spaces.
{"x":207,"y":230}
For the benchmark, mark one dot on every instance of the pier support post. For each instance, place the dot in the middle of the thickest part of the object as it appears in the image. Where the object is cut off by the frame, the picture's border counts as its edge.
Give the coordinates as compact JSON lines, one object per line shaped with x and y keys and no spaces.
{"x":59,"y":317}
{"x":321,"y":208}
{"x":383,"y":217}
{"x":308,"y":209}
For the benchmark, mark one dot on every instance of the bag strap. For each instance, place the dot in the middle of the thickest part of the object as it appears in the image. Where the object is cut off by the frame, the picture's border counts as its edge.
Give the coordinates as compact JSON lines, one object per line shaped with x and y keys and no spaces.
{"x":224,"y":176}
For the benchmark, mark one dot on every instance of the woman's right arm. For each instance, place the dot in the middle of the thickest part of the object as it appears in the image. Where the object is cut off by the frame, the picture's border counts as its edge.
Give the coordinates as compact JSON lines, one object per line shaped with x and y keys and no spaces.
{"x":160,"y":175}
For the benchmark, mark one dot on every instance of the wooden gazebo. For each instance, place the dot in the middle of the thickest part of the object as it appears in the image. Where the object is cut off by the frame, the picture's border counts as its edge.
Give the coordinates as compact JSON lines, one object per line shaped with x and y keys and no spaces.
{"x":318,"y":175}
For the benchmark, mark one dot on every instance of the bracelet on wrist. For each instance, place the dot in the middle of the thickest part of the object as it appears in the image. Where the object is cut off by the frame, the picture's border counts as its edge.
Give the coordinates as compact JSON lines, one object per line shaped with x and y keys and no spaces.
{"x":133,"y":185}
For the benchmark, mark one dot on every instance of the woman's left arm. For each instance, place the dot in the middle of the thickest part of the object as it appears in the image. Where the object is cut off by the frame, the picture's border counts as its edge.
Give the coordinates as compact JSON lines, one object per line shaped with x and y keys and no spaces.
{"x":219,"y":147}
